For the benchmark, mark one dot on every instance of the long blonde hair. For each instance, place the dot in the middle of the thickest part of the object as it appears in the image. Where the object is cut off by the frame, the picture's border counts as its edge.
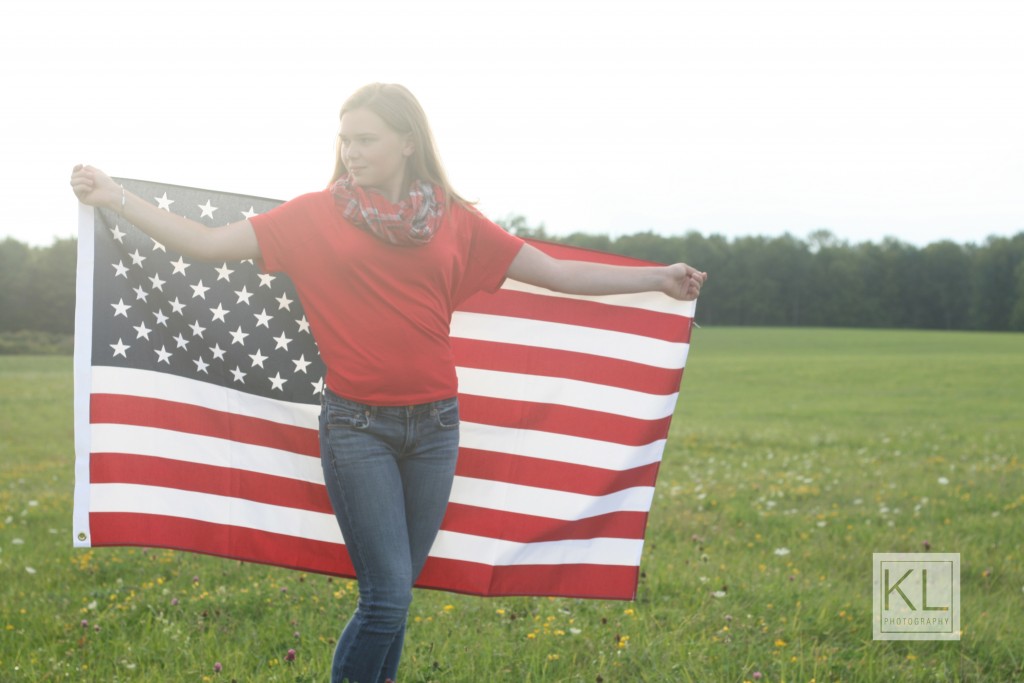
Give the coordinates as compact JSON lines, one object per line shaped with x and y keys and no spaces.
{"x":400,"y":110}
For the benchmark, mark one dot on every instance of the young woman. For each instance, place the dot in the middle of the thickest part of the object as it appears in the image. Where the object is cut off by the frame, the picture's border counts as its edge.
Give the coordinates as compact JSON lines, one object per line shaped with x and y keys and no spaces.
{"x":380,"y":259}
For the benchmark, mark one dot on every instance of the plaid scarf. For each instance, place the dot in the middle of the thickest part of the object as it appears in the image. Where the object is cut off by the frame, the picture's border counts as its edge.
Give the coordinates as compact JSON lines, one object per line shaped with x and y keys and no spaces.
{"x":411,"y":222}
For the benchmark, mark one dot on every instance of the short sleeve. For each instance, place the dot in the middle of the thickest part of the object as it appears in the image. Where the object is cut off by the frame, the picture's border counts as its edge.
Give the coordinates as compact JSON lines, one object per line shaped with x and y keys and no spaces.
{"x":492,"y":251}
{"x":288,"y":230}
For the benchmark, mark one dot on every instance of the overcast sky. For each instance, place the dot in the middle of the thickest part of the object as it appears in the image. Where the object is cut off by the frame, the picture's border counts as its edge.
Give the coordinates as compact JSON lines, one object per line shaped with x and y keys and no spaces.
{"x":870,"y":118}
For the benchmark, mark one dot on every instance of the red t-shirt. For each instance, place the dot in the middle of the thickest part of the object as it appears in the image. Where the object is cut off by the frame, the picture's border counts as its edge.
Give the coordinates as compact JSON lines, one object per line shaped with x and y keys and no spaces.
{"x":380,"y":313}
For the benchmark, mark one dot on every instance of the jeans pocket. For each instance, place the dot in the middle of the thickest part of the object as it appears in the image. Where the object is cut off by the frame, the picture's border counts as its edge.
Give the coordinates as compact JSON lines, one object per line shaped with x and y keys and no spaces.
{"x":446,"y":414}
{"x":348,"y":415}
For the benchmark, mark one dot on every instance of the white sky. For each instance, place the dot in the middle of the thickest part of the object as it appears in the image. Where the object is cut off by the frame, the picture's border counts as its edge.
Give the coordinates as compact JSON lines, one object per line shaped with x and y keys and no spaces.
{"x":870,"y":118}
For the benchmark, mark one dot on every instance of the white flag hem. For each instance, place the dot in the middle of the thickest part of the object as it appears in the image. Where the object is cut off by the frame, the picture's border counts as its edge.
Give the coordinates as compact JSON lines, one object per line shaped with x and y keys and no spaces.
{"x":80,"y":529}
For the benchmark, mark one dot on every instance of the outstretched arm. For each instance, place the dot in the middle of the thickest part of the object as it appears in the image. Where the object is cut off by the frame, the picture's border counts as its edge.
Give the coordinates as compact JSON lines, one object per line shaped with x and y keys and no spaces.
{"x":233,"y":242}
{"x":534,"y":267}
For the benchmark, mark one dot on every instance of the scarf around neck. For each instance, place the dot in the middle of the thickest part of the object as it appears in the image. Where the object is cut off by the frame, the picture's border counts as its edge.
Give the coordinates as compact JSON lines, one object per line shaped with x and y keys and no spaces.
{"x":412,"y":222}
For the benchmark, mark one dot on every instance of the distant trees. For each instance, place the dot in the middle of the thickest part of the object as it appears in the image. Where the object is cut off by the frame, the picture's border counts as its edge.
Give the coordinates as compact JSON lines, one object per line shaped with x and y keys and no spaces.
{"x":37,"y":286}
{"x":817,"y":281}
{"x":822,"y":281}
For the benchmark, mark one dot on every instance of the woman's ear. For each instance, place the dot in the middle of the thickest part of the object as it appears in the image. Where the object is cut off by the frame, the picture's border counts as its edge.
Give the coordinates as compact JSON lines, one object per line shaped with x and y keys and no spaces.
{"x":410,"y":147}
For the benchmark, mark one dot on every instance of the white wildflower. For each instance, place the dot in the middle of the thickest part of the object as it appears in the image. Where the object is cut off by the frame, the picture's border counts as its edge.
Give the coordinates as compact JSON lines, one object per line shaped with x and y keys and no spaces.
{"x":782,"y":551}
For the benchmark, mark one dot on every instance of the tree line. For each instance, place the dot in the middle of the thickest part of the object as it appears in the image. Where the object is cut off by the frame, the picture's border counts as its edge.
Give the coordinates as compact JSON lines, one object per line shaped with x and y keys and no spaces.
{"x":820,"y":281}
{"x":823,"y":281}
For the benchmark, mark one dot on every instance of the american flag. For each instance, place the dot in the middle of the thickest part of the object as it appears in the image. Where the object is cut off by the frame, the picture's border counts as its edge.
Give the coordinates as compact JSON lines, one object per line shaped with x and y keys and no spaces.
{"x":197,"y":390}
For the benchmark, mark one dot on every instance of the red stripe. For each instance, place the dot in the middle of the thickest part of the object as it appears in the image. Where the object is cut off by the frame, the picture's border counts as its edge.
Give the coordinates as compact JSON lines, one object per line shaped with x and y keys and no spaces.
{"x":533,"y":360}
{"x":511,"y":526}
{"x":602,"y":316}
{"x":611,"y":582}
{"x":159,"y":531}
{"x":239,"y":543}
{"x":551,"y":474}
{"x":124,"y":468}
{"x":556,"y":419}
{"x":130,"y":468}
{"x":565,"y":251}
{"x":193,"y":419}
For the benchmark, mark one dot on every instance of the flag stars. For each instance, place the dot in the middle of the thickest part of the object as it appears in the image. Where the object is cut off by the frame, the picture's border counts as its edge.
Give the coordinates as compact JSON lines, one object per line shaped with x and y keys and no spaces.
{"x":219,"y":313}
{"x":257,"y":358}
{"x":243,"y":296}
{"x":301,"y":364}
{"x":266,"y":279}
{"x":197,"y":329}
{"x":159,"y":247}
{"x":140,"y":294}
{"x":143,"y":331}
{"x":238,"y":375}
{"x":163,"y":202}
{"x":121,"y":308}
{"x":250,"y":213}
{"x":318,"y":386}
{"x":201,"y":365}
{"x":137,"y":258}
{"x":157,"y":282}
{"x":180,"y":266}
{"x":303,"y":324}
{"x":199,"y":290}
{"x":161,"y":319}
{"x":218,"y":353}
{"x":263,"y":319}
{"x":284,"y":303}
{"x":282,"y":342}
{"x":277,"y":382}
{"x":181,"y":341}
{"x":224,"y":273}
{"x":207,"y":209}
{"x":163,"y":355}
{"x":177,"y":306}
{"x":118,"y":235}
{"x":238,"y":337}
{"x":120,"y":269}
{"x":119,"y":348}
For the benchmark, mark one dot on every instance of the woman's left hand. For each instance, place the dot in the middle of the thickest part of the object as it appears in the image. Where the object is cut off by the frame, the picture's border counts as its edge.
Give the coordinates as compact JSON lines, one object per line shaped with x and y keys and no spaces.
{"x":683,"y":282}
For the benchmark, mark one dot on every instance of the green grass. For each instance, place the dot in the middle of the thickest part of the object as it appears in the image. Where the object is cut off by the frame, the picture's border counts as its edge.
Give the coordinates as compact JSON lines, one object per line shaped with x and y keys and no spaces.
{"x":831,"y":444}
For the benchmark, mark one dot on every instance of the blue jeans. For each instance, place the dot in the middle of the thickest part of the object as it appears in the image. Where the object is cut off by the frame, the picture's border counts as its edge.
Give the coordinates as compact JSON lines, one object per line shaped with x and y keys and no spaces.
{"x":389,"y":473}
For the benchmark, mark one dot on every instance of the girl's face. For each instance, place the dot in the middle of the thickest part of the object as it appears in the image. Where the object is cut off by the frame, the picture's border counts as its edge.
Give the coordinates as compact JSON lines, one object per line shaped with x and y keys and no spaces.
{"x":374,"y":153}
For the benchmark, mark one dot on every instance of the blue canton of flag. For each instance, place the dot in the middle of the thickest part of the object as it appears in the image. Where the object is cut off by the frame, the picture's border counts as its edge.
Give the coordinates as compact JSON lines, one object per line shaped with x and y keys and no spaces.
{"x":226,"y":324}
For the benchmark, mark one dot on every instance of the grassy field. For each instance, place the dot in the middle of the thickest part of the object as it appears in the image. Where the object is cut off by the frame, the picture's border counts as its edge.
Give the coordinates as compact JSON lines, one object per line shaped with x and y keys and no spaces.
{"x":794,"y":455}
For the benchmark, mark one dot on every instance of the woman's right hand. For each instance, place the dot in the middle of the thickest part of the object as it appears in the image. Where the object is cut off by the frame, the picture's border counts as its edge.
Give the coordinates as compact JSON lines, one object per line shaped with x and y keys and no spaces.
{"x":94,"y":187}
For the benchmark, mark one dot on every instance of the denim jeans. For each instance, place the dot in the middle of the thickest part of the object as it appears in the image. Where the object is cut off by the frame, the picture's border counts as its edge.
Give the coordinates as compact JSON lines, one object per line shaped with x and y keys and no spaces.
{"x":389,"y":473}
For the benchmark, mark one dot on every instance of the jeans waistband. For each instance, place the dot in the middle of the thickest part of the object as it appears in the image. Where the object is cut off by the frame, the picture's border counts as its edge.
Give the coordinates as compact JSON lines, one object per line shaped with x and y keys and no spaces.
{"x":414,"y":409}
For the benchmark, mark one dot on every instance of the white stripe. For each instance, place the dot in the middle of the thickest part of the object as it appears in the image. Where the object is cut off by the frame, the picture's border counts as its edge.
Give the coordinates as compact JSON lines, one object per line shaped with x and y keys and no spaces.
{"x":163,"y":386}
{"x":558,"y":447}
{"x":317,"y":526}
{"x":497,"y":552}
{"x":650,"y":301}
{"x":204,"y":450}
{"x":565,"y":392}
{"x":206,"y":507}
{"x":530,"y":500}
{"x":81,"y":532}
{"x":610,"y":344}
